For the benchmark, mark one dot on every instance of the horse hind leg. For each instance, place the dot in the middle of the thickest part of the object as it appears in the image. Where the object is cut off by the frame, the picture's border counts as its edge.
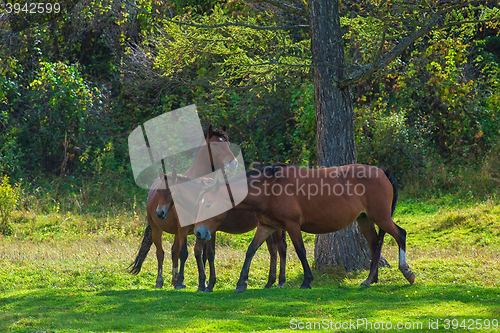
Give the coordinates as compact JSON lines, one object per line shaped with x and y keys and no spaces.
{"x":375,"y":242}
{"x":295,"y":234}
{"x":399,"y":235}
{"x":273,"y":260}
{"x":403,"y":264}
{"x":280,"y":239}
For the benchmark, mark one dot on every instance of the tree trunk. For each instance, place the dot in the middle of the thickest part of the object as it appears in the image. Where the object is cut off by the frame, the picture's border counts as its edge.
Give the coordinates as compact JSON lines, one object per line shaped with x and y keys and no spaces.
{"x":334,"y":129}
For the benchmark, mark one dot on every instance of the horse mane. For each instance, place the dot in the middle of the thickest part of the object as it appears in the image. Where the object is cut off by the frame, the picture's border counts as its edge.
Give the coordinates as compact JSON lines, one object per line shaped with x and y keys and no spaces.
{"x":216,"y":132}
{"x":206,"y":189}
{"x":205,"y":181}
{"x":268,"y":170}
{"x":220,"y":133}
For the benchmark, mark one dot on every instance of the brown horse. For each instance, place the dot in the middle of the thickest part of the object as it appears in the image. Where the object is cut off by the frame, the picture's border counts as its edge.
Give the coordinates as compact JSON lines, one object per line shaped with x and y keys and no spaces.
{"x":316,"y":201}
{"x":162,"y":216}
{"x":233,"y":222}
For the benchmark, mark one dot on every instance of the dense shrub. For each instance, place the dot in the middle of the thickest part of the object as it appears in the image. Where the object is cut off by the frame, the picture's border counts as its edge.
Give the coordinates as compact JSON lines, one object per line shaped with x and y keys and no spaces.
{"x":8,"y":200}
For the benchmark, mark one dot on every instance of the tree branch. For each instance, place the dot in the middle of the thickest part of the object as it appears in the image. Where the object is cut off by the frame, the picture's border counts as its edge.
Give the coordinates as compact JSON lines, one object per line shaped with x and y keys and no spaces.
{"x":220,"y":25}
{"x":366,"y":70}
{"x":444,"y":26}
{"x":284,"y":6}
{"x":207,"y":84}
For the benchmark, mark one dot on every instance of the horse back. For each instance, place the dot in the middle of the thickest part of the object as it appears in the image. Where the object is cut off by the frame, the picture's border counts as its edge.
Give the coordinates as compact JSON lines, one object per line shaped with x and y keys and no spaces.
{"x":329,"y":199}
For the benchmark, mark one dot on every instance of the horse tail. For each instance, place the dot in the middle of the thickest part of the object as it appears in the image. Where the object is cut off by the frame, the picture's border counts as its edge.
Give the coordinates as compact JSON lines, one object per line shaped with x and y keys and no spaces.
{"x":147,"y":241}
{"x":394,"y":184}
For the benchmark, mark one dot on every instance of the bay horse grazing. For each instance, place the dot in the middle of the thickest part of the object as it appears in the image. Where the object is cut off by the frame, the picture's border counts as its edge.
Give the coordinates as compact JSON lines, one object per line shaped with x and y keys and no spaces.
{"x":317,"y":201}
{"x":159,"y":215}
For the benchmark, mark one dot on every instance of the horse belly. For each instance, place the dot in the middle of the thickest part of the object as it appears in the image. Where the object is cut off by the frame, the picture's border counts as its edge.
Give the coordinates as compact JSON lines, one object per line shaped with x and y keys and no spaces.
{"x":238,"y":222}
{"x":328,"y":219}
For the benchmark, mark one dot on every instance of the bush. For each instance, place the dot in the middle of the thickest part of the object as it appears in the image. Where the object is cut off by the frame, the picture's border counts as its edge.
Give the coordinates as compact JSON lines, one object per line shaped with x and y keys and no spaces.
{"x":8,"y":199}
{"x":386,"y":139}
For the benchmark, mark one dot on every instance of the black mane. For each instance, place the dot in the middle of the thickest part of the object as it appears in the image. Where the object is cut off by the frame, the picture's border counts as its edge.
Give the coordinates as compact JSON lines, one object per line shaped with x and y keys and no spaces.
{"x":220,"y":133}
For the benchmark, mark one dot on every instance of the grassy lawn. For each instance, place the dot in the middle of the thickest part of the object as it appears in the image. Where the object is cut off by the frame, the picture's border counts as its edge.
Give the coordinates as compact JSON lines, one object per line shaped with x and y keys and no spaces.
{"x":66,"y":273}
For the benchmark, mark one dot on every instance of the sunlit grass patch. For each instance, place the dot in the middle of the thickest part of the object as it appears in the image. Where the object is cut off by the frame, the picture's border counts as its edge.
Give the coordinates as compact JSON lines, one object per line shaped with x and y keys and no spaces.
{"x":66,"y":272}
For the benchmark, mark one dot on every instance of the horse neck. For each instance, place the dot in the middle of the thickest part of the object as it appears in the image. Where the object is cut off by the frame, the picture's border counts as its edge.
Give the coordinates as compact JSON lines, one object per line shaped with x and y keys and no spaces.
{"x":189,"y":194}
{"x":201,"y":165}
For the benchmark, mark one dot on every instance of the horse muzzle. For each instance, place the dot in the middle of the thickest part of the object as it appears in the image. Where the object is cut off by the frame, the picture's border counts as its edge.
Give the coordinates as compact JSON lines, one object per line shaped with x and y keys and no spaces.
{"x":162,"y":213}
{"x":202,"y":233}
{"x":231,"y":166}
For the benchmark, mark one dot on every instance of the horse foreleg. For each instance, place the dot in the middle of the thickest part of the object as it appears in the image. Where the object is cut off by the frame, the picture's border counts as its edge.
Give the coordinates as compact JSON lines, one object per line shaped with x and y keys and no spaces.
{"x":175,"y":259}
{"x":263,"y":231}
{"x":280,"y":239}
{"x":211,"y":263}
{"x":273,"y":259}
{"x":198,"y":249}
{"x":293,"y":230}
{"x":156,"y":234}
{"x":183,"y":254}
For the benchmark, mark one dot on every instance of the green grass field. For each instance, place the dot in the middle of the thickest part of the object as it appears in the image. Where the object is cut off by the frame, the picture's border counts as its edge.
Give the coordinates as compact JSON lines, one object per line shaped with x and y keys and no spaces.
{"x":67,"y":273}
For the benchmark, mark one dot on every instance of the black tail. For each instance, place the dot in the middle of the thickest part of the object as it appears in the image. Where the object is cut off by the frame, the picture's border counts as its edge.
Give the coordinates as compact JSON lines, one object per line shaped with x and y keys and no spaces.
{"x":394,"y":184}
{"x":147,"y":241}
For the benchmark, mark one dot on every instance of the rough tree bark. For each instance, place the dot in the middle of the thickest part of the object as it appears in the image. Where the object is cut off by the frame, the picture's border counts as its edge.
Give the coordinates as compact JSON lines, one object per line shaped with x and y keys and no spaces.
{"x":334,"y":129}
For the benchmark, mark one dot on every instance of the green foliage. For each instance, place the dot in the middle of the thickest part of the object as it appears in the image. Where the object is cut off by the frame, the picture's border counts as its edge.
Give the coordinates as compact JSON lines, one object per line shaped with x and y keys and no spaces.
{"x":231,"y":55}
{"x":8,"y":199}
{"x":61,"y":117}
{"x":262,"y":122}
{"x":387,"y":139}
{"x":448,"y":99}
{"x":437,"y":106}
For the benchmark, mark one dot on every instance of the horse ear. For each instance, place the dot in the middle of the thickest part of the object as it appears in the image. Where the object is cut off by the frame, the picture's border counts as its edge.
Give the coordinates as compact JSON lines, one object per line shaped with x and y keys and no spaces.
{"x":210,"y":132}
{"x":224,"y":128}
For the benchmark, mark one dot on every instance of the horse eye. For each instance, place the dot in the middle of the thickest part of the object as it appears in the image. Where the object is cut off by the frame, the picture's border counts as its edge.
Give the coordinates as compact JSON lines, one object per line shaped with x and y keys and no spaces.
{"x":208,"y":205}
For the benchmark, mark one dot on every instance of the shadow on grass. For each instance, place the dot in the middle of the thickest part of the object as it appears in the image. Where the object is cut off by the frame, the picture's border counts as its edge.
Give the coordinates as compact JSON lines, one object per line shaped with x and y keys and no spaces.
{"x":150,"y":310}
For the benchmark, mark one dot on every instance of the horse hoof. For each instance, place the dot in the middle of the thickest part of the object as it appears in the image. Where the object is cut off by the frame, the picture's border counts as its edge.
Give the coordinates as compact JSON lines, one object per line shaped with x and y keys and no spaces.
{"x":181,"y":286}
{"x":366,"y":283}
{"x":280,"y":285}
{"x":240,"y":289}
{"x":159,"y":286}
{"x":411,"y":277}
{"x":209,"y":290}
{"x":305,"y":287}
{"x":267,"y":286}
